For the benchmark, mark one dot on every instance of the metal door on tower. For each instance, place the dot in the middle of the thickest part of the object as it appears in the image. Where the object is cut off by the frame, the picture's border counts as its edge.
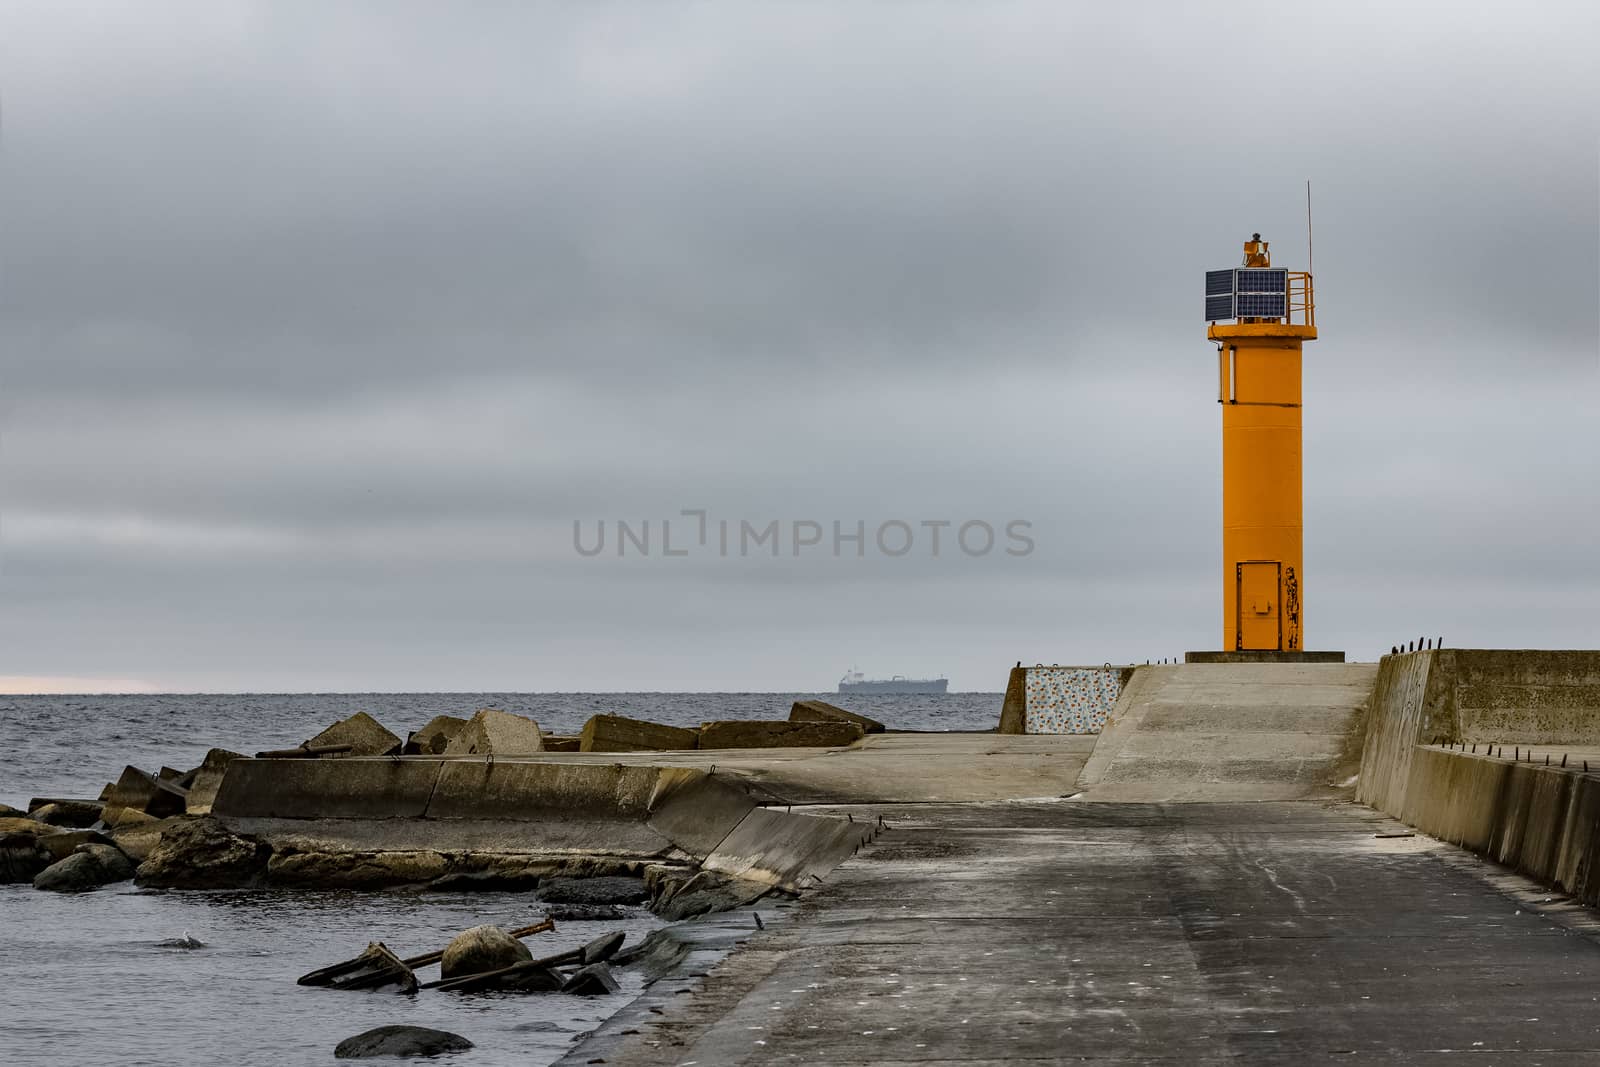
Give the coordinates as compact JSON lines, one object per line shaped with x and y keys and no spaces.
{"x":1260,"y":620}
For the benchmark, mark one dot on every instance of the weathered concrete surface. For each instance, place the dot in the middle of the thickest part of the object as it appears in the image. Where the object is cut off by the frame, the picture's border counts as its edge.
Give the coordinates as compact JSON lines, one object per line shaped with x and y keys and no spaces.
{"x":1107,"y":933}
{"x":617,"y":733}
{"x":492,"y":732}
{"x":1249,"y":731}
{"x":1521,"y":696}
{"x":761,"y":733}
{"x":435,"y":736}
{"x":822,"y":711}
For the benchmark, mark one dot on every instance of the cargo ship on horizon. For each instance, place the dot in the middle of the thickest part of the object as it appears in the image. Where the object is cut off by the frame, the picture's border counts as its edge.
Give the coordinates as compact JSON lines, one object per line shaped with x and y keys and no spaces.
{"x":856,"y":682}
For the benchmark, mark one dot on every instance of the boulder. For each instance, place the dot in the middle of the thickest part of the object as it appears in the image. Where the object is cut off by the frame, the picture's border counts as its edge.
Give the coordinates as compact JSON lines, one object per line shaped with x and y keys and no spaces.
{"x":74,"y":813}
{"x":8,"y":812}
{"x":400,"y":1041}
{"x":21,"y":858}
{"x":13,"y":825}
{"x":207,"y":778}
{"x":707,"y":892}
{"x":60,"y":846}
{"x":364,"y":734}
{"x":822,"y":711}
{"x":141,"y":791}
{"x":754,"y":733}
{"x":90,"y":867}
{"x":480,"y":949}
{"x":435,"y":737}
{"x":605,"y":890}
{"x":355,"y":870}
{"x":138,"y":839}
{"x":593,"y":980}
{"x":203,"y":854}
{"x":492,"y":732}
{"x":615,"y":733}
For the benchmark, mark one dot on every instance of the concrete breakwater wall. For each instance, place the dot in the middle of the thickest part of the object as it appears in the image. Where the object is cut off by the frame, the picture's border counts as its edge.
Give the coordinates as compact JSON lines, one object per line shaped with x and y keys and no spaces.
{"x":1431,"y":709}
{"x":530,"y":809}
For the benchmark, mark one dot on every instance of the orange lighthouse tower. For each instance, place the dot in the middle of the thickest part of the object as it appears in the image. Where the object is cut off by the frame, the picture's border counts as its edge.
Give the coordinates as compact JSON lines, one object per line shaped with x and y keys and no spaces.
{"x":1260,"y":316}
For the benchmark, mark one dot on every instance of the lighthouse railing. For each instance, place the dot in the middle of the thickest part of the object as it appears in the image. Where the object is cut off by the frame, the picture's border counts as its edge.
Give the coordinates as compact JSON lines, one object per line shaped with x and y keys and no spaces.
{"x":1302,"y":303}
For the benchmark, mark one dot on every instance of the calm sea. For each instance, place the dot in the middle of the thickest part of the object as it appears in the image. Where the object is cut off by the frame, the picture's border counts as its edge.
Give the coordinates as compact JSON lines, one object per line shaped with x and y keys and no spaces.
{"x":88,"y":980}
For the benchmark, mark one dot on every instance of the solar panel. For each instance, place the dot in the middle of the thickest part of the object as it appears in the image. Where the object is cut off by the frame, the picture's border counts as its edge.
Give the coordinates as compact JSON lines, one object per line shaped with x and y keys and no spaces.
{"x":1262,"y":305}
{"x":1219,"y":283}
{"x":1219,"y":307}
{"x":1262,"y":280}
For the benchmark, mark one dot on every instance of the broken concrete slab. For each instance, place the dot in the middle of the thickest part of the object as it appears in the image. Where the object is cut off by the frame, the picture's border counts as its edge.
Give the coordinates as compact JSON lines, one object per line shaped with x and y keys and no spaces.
{"x":114,"y":817}
{"x":822,"y":711}
{"x":710,"y":891}
{"x":365,"y":735}
{"x":435,"y":736}
{"x":760,"y":733}
{"x":617,"y":733}
{"x":562,"y":743}
{"x":593,"y":980}
{"x":492,"y":732}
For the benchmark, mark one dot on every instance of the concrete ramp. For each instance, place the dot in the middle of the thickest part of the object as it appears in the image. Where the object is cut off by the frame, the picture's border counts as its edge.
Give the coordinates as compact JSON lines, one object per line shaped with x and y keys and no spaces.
{"x":1235,"y":731}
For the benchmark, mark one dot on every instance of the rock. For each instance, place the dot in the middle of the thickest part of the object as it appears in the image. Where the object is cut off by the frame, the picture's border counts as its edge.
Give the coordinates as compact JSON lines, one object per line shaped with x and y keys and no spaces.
{"x":13,"y":825}
{"x":755,"y":733}
{"x":90,"y":867}
{"x":612,"y":890}
{"x":60,"y":846}
{"x":21,"y":858}
{"x":364,"y":734}
{"x":822,"y":711}
{"x":141,"y":791}
{"x":435,"y":737}
{"x":491,"y":881}
{"x":203,"y":854}
{"x":207,"y":778}
{"x":492,"y":732}
{"x":400,"y":1041}
{"x":614,"y":733}
{"x":586,"y":913}
{"x":707,"y":892}
{"x":480,"y":949}
{"x":8,"y":812}
{"x":75,"y":813}
{"x":562,"y":743}
{"x":115,"y":817}
{"x":355,"y":870}
{"x":593,"y":980}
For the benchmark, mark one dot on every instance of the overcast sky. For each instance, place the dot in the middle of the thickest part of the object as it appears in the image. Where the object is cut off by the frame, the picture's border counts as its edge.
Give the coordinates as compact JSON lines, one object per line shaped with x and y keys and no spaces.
{"x":322,"y":323}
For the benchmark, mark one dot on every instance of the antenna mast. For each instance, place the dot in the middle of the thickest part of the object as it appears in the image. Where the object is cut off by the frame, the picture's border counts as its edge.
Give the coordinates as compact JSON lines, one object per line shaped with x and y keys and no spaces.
{"x":1308,"y":226}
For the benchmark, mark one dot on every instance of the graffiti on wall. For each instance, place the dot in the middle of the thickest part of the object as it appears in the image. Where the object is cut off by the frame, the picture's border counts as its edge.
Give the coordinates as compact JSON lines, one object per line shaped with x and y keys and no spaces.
{"x":1070,"y":700}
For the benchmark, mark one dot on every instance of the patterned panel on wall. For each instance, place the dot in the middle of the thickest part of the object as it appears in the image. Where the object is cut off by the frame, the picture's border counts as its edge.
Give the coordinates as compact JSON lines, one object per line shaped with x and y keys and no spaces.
{"x":1070,"y":700}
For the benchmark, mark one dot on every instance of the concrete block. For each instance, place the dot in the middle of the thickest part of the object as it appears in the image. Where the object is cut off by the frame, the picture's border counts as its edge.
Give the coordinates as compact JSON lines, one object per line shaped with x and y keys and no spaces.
{"x":525,"y":792}
{"x":757,"y":733}
{"x":615,"y":733}
{"x":786,"y":850}
{"x":207,"y":778}
{"x":74,"y":813}
{"x":562,"y":743}
{"x":435,"y":737}
{"x":141,"y":791}
{"x":821,"y":711}
{"x":697,"y":811}
{"x":365,"y":735}
{"x":491,"y":732}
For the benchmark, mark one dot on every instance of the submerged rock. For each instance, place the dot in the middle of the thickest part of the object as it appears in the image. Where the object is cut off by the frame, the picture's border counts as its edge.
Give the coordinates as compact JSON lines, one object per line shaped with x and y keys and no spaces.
{"x":203,"y":854}
{"x":480,"y":949}
{"x":593,"y":980}
{"x":603,"y":890}
{"x":400,"y":1041}
{"x":90,"y":867}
